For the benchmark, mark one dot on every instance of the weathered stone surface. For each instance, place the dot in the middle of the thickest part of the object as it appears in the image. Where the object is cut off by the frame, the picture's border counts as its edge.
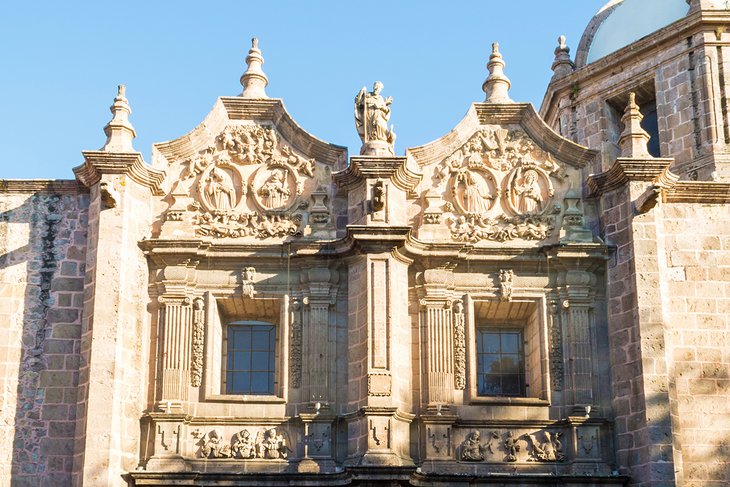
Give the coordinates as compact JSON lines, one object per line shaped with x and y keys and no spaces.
{"x":264,"y":311}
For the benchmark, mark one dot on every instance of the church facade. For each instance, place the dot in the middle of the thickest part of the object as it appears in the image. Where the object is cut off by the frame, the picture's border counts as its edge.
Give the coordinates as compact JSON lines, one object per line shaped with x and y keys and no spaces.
{"x":535,"y":298}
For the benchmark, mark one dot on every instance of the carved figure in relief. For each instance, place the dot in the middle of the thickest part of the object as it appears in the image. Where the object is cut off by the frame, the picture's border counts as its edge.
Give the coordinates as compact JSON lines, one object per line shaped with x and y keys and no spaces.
{"x":512,"y":447}
{"x":529,"y":193}
{"x":372,"y":113}
{"x":220,"y":190}
{"x":303,"y":165}
{"x":214,"y":446}
{"x":472,"y":449}
{"x":505,"y":284}
{"x":273,"y":445}
{"x":248,"y":275}
{"x":476,"y":198}
{"x":243,"y":445}
{"x":275,"y":193}
{"x":550,"y":450}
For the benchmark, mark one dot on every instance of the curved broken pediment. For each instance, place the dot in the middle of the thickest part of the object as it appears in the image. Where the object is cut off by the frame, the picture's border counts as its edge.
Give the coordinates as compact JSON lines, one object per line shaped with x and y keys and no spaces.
{"x":499,"y":176}
{"x":248,"y":171}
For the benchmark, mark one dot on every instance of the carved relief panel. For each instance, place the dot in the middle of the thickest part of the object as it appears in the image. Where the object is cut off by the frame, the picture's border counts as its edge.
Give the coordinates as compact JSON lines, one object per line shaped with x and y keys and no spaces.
{"x":250,"y":183}
{"x":499,"y":186}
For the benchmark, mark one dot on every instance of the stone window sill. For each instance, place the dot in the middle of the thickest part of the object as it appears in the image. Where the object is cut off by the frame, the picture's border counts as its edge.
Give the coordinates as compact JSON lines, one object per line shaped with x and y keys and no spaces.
{"x":246,"y":398}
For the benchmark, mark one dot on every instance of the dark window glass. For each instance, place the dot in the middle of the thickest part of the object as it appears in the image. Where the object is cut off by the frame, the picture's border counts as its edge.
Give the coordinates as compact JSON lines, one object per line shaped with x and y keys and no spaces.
{"x":250,"y":359}
{"x":500,"y":363}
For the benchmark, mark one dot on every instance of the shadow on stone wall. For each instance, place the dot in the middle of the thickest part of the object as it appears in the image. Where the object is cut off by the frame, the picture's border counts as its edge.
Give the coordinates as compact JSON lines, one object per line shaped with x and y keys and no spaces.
{"x":49,"y":312}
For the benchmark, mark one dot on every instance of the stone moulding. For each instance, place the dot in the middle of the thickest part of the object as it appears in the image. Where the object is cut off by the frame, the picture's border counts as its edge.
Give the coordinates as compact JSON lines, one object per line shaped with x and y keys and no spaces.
{"x":270,"y":110}
{"x":56,"y":186}
{"x":707,"y":192}
{"x":625,"y":170}
{"x":522,"y":114}
{"x":128,"y":163}
{"x":395,"y":168}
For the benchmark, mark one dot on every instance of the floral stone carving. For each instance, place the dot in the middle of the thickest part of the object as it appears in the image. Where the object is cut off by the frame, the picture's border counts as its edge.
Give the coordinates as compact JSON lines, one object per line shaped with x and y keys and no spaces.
{"x":501,"y":188}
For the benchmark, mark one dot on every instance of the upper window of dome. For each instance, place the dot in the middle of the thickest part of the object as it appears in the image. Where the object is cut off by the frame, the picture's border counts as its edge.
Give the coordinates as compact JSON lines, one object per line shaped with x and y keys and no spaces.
{"x":630,"y":20}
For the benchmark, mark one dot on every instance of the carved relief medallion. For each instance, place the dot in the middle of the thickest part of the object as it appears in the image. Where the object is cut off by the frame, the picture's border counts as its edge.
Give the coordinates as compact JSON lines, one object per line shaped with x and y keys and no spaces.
{"x":275,"y":187}
{"x":221,"y":187}
{"x":247,"y":184}
{"x":500,"y":187}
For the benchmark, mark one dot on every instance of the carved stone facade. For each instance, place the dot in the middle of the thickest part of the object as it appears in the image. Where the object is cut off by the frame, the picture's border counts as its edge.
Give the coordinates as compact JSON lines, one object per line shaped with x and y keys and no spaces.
{"x":520,"y":302}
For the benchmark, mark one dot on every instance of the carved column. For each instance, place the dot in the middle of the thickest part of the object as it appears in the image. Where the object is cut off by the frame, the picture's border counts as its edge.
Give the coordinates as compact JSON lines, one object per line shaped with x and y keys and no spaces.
{"x":177,"y":336}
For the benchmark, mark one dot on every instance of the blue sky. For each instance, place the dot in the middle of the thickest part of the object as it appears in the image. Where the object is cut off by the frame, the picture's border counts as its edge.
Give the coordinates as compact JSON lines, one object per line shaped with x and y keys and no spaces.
{"x":62,"y":62}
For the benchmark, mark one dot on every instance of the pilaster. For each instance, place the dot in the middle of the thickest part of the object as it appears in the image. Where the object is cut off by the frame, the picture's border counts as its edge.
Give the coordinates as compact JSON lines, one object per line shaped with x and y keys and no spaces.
{"x":116,"y":321}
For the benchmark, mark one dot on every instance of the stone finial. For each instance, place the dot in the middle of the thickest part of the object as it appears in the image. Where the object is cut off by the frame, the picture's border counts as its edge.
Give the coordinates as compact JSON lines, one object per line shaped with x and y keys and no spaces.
{"x":634,"y":139}
{"x":119,"y":132}
{"x":497,"y":84}
{"x":562,"y":66}
{"x":254,"y":80}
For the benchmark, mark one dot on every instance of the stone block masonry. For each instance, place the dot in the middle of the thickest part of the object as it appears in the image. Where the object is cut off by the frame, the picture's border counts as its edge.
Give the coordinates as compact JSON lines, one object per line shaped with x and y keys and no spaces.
{"x":42,"y":266}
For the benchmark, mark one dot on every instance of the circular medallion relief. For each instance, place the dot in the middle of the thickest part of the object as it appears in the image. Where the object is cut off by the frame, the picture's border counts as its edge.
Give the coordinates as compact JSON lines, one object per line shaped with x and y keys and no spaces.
{"x":474,"y":190}
{"x":529,"y":191}
{"x":221,"y":187}
{"x":275,"y":187}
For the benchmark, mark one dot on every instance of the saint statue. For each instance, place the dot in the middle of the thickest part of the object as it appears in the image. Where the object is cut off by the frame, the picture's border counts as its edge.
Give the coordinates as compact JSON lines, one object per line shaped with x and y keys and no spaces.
{"x":275,"y":191}
{"x":372,"y":113}
{"x":476,"y":198}
{"x":529,"y":193}
{"x":220,"y":190}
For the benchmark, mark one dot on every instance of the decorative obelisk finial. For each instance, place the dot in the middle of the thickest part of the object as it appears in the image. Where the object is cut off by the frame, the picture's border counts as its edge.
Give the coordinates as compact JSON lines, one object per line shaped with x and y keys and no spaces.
{"x":634,"y":139}
{"x":562,"y":66}
{"x":119,"y":132}
{"x":254,"y":80}
{"x":497,"y":84}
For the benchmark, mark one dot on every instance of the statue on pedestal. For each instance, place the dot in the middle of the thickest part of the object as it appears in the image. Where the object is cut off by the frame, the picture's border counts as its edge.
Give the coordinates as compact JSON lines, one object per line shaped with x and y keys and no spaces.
{"x":372,"y":113}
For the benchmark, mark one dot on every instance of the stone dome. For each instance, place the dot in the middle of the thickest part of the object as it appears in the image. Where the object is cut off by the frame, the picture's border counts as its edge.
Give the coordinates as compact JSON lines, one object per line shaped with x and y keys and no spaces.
{"x":621,"y":22}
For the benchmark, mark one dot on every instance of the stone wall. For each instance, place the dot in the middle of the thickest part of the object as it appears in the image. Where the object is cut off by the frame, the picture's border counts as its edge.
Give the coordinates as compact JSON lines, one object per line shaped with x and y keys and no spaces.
{"x":42,"y":266}
{"x":697,"y":242}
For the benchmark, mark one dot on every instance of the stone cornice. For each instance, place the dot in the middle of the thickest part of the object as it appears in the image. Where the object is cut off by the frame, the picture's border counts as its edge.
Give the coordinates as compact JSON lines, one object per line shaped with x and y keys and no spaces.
{"x":522,"y":114}
{"x":706,"y":192}
{"x":626,"y":170}
{"x":52,"y":186}
{"x":269,"y":110}
{"x":373,"y":167}
{"x":130,"y":164}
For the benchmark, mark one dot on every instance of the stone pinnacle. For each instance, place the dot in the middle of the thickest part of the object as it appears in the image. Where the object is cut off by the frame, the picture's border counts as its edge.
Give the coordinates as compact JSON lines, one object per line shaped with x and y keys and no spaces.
{"x":497,"y":84}
{"x":119,"y":131}
{"x":634,"y":139}
{"x":562,"y":66}
{"x":254,"y":80}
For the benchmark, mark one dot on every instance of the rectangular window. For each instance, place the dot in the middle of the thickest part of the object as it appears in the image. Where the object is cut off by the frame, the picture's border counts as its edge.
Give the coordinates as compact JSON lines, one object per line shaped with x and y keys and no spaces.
{"x":500,"y":362}
{"x":250,"y":358}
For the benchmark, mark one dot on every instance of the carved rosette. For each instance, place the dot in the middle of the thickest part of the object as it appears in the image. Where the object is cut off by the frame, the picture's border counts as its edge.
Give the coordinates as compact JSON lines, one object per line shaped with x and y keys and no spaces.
{"x":247,"y":184}
{"x":501,"y":188}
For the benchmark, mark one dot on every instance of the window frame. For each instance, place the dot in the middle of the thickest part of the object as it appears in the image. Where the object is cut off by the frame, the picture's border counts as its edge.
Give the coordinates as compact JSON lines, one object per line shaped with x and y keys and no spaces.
{"x":538,"y":390}
{"x":504,"y":328}
{"x":226,"y":350}
{"x":215,"y":359}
